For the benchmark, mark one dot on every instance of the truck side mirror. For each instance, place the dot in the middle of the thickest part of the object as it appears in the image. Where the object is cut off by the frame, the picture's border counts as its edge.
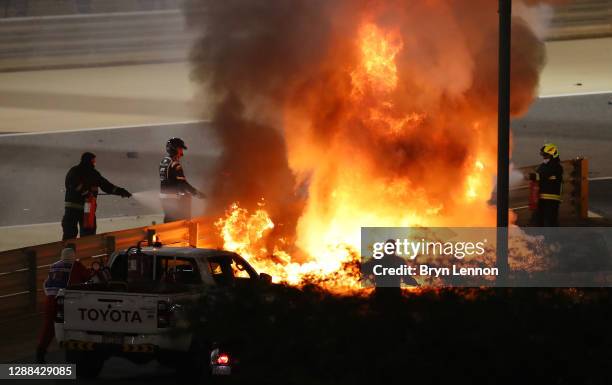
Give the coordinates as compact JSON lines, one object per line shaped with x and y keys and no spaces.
{"x":267,"y":278}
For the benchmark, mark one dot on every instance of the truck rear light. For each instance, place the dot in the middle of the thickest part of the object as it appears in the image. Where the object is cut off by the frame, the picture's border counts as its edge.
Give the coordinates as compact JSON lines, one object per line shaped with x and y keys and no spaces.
{"x":59,"y":310}
{"x":223,"y":359}
{"x":163,"y":314}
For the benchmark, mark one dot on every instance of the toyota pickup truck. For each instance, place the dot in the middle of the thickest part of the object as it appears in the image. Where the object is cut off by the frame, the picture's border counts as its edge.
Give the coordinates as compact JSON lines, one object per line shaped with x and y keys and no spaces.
{"x":139,"y":314}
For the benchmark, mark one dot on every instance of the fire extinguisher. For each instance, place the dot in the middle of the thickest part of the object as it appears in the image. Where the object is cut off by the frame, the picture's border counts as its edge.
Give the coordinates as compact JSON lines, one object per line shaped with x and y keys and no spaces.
{"x":89,"y":212}
{"x":534,"y":194}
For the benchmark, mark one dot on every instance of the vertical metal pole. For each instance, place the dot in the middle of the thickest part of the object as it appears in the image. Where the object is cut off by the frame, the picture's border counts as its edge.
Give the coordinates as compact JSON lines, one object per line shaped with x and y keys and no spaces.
{"x":32,"y":284}
{"x":503,"y":137}
{"x":150,"y":235}
{"x":584,"y":188}
{"x":110,"y":246}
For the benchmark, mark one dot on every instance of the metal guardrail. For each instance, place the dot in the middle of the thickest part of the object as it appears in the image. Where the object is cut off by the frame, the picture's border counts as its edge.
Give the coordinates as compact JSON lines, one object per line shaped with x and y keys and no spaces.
{"x":23,"y":271}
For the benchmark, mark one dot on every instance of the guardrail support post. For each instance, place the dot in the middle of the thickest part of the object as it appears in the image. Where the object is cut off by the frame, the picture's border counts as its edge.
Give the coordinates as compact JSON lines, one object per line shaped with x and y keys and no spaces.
{"x":32,"y":286}
{"x":150,"y":236}
{"x":584,"y":188}
{"x":194,"y":228}
{"x":110,"y":244}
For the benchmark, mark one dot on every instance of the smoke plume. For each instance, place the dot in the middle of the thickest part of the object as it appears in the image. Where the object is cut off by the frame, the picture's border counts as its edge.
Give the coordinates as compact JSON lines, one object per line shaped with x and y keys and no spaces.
{"x":349,"y":113}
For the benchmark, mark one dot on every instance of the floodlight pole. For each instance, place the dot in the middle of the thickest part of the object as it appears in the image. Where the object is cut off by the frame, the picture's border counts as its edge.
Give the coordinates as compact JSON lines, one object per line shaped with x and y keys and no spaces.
{"x":503,"y":138}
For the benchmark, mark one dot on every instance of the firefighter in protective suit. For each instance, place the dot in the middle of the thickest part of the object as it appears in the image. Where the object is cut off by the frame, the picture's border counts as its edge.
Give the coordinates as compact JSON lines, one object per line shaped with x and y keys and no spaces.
{"x":82,"y":184}
{"x":175,"y":191}
{"x":549,"y":176}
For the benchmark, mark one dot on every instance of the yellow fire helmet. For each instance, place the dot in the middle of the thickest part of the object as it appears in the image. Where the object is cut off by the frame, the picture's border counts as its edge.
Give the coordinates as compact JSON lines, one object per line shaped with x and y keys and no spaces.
{"x":550,"y":149}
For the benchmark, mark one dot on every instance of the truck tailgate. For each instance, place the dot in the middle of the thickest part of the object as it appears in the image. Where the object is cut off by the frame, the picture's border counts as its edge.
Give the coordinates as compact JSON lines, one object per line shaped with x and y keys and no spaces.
{"x":110,"y":312}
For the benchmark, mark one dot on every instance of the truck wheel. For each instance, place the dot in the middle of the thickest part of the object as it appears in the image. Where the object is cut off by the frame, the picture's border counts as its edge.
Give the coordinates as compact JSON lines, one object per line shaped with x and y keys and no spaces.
{"x":88,"y":364}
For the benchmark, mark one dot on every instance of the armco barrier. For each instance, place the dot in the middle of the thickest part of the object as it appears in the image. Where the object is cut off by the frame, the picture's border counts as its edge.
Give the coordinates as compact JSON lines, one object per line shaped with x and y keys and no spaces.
{"x":22,"y":271}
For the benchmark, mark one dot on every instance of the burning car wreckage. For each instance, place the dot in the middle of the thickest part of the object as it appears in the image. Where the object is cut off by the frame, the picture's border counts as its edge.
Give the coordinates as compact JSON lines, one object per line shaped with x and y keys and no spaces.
{"x":342,"y":114}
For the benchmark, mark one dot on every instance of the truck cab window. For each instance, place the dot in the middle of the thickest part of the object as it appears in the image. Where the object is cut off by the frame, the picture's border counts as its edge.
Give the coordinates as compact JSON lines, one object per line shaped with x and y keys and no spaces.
{"x":230,"y":269}
{"x":119,"y":268}
{"x":221,"y":270}
{"x":215,"y":268}
{"x":177,"y":270}
{"x":139,"y":268}
{"x":239,"y":270}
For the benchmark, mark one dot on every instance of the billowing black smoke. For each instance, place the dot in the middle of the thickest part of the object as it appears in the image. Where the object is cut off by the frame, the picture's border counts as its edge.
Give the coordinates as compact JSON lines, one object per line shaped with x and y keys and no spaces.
{"x":257,"y":59}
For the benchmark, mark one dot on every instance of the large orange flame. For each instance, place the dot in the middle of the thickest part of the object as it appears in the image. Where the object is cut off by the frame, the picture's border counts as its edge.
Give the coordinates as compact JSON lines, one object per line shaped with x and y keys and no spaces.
{"x":377,"y":69}
{"x":395,"y":159}
{"x":347,"y":190}
{"x":345,"y":113}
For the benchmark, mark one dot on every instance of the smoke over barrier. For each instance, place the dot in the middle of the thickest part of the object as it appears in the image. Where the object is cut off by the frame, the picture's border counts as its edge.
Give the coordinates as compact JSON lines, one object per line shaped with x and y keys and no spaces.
{"x":351,"y":113}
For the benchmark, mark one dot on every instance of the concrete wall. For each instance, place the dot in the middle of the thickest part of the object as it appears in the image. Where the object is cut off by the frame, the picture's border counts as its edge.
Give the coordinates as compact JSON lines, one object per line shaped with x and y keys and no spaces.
{"x":144,"y":31}
{"x":580,"y":19}
{"x":28,"y":8}
{"x":93,"y":40}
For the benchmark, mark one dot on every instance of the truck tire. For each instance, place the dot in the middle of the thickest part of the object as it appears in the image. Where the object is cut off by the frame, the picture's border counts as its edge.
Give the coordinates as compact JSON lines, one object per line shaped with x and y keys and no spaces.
{"x":88,"y":364}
